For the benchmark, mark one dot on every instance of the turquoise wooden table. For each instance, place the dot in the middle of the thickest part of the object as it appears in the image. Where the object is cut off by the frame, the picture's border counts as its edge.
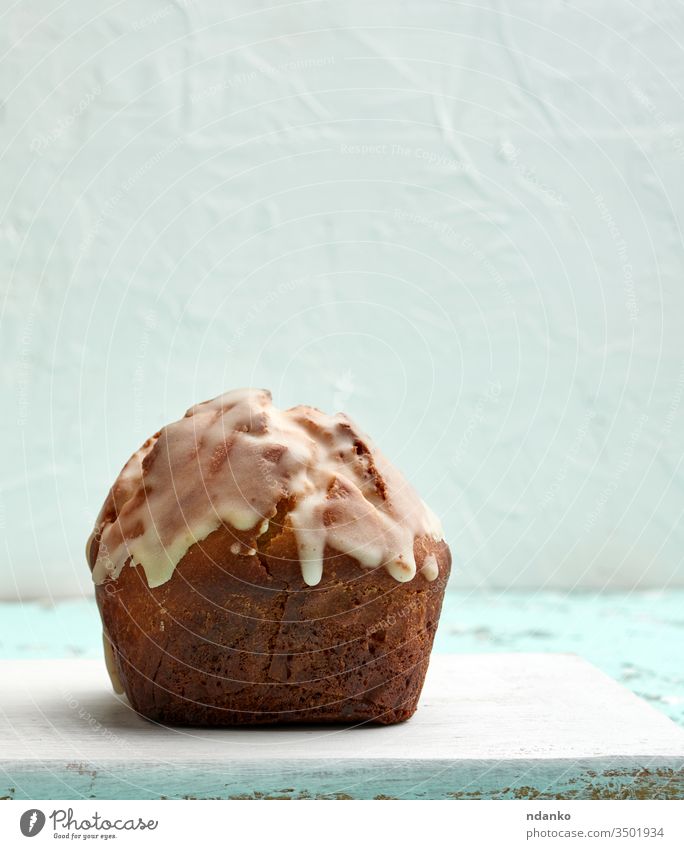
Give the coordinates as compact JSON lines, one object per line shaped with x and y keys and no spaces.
{"x":612,"y":745}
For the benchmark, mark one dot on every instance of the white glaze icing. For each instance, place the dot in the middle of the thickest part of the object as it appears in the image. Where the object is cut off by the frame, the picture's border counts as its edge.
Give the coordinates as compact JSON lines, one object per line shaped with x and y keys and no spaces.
{"x":232,"y":460}
{"x":111,"y":665}
{"x":430,"y":568}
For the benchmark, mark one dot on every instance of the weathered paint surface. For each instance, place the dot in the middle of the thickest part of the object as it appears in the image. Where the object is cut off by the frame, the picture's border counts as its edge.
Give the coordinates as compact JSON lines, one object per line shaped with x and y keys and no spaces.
{"x":476,"y":780}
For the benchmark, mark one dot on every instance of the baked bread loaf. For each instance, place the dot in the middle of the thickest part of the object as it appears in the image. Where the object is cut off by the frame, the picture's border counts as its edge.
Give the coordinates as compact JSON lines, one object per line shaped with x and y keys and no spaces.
{"x":253,"y":565}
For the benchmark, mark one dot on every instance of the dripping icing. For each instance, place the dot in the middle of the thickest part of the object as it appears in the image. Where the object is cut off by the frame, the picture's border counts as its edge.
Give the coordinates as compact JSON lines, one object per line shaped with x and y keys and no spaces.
{"x":232,"y":460}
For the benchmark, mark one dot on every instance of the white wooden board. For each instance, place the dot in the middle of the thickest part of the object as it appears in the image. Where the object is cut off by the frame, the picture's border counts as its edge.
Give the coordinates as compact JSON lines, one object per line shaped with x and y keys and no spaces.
{"x":488,"y":726}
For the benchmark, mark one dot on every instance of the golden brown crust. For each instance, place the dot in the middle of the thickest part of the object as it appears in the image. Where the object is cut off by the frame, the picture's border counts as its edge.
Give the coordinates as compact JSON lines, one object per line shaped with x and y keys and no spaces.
{"x":240,"y":638}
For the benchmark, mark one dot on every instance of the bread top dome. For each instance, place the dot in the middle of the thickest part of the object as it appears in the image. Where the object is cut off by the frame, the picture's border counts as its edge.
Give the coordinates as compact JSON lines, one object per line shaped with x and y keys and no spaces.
{"x":232,"y":461}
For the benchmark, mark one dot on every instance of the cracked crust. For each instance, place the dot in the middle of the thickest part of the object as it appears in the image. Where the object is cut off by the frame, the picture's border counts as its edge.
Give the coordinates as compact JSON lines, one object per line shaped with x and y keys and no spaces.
{"x":241,"y":639}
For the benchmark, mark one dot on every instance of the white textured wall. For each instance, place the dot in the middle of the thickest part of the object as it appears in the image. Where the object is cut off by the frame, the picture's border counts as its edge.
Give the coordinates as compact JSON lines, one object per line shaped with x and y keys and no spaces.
{"x":461,"y":223}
